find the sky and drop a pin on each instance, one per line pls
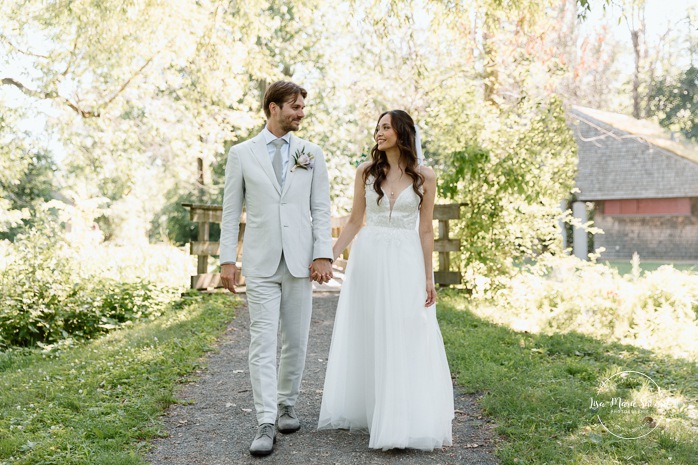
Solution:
(660, 14)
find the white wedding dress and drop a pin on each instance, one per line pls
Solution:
(387, 371)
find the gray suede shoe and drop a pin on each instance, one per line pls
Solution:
(263, 443)
(288, 420)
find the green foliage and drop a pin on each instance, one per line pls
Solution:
(29, 190)
(511, 183)
(468, 164)
(674, 101)
(172, 223)
(143, 89)
(26, 175)
(96, 403)
(48, 295)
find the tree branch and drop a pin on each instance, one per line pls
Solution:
(50, 96)
(128, 81)
(53, 95)
(7, 40)
(72, 55)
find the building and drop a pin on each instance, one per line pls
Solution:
(643, 183)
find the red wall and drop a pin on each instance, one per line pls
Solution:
(646, 207)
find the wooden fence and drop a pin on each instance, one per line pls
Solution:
(203, 247)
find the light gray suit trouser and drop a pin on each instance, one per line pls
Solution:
(284, 302)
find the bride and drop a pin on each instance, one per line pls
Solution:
(387, 372)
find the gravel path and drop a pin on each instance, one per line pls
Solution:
(215, 423)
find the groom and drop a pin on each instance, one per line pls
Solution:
(283, 182)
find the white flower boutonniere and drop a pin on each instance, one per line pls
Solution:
(301, 159)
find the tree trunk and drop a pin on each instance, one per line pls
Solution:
(490, 71)
(635, 36)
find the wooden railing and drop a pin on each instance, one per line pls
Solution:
(443, 244)
(203, 247)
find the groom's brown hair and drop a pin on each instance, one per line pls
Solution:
(282, 92)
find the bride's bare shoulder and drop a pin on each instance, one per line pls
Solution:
(428, 173)
(364, 166)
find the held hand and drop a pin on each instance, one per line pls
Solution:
(229, 276)
(321, 270)
(336, 253)
(431, 294)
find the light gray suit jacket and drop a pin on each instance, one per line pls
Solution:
(295, 220)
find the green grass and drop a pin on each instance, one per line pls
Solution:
(625, 266)
(98, 403)
(537, 388)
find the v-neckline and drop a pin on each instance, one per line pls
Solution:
(391, 205)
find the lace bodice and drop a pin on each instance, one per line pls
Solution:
(404, 213)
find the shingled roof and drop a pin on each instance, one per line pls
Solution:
(624, 158)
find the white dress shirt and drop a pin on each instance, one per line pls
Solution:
(269, 138)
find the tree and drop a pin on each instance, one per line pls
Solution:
(149, 95)
(634, 17)
(142, 90)
(673, 95)
(674, 102)
(497, 139)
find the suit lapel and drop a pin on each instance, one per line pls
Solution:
(259, 149)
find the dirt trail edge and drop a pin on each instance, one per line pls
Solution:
(215, 422)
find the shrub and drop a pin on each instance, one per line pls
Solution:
(656, 310)
(49, 295)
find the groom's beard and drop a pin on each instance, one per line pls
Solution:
(291, 125)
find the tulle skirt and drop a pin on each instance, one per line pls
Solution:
(387, 372)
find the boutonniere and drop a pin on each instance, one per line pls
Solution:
(301, 159)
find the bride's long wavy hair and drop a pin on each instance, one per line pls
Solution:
(403, 124)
